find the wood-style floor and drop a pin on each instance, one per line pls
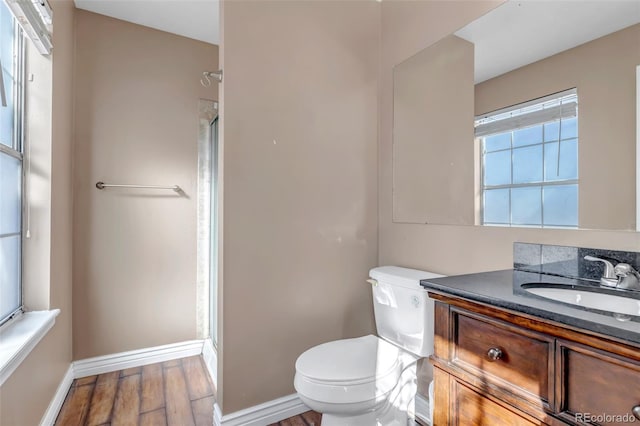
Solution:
(310, 418)
(172, 393)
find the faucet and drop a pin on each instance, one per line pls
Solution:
(628, 278)
(621, 276)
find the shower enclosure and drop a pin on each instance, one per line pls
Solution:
(213, 249)
(207, 264)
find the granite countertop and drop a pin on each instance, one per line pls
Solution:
(503, 289)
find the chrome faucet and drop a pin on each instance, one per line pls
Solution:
(621, 276)
(628, 278)
(609, 278)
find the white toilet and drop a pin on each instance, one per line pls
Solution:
(371, 381)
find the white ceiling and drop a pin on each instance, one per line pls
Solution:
(197, 19)
(520, 32)
(517, 33)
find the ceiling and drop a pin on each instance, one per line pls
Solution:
(520, 32)
(517, 33)
(197, 19)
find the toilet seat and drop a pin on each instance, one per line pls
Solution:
(349, 371)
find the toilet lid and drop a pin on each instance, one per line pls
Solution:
(349, 360)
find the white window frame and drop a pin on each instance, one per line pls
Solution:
(20, 333)
(527, 114)
(17, 150)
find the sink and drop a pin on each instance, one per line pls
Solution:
(596, 298)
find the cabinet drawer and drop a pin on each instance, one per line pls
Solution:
(504, 355)
(598, 384)
(471, 408)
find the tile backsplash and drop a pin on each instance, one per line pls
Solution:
(568, 261)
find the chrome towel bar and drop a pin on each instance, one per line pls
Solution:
(102, 185)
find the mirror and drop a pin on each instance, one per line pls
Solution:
(517, 53)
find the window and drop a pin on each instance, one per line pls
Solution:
(10, 165)
(529, 155)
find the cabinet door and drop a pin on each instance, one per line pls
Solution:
(597, 387)
(470, 408)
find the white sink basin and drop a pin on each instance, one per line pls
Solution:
(589, 299)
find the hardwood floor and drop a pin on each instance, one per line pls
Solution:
(172, 393)
(310, 418)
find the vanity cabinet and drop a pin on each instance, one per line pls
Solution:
(498, 367)
(596, 381)
(470, 407)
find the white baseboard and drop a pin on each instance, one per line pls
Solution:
(210, 356)
(55, 405)
(217, 415)
(423, 409)
(137, 358)
(262, 414)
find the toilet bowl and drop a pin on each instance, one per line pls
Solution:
(355, 381)
(371, 380)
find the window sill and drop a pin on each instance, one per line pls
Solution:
(20, 336)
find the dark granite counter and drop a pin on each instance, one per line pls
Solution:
(504, 289)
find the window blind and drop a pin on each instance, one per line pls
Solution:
(558, 106)
(35, 18)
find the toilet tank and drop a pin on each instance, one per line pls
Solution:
(403, 311)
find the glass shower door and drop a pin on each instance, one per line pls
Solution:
(213, 262)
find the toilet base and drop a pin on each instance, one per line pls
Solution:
(392, 417)
(397, 410)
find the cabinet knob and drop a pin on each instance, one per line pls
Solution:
(494, 354)
(636, 411)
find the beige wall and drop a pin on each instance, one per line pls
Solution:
(432, 127)
(408, 27)
(136, 121)
(604, 72)
(27, 393)
(299, 112)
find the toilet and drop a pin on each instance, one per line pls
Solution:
(371, 380)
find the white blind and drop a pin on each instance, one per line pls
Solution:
(34, 17)
(553, 107)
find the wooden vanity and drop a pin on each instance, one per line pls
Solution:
(494, 366)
